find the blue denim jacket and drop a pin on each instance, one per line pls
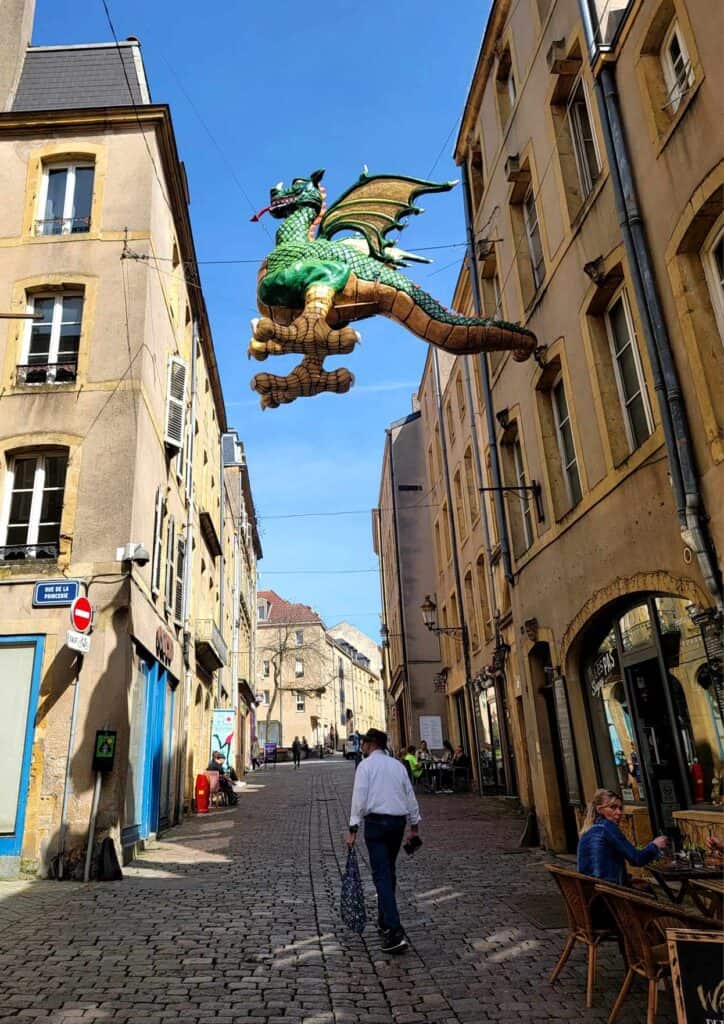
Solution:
(603, 851)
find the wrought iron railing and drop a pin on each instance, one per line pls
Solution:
(47, 373)
(29, 552)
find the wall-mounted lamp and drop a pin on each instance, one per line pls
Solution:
(503, 418)
(429, 617)
(595, 270)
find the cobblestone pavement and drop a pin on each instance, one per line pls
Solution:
(233, 919)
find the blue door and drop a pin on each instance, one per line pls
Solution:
(21, 658)
(159, 733)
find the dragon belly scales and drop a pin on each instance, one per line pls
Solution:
(311, 288)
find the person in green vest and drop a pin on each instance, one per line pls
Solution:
(413, 765)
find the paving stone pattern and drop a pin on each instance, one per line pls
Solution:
(233, 918)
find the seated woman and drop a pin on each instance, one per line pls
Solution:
(423, 754)
(603, 849)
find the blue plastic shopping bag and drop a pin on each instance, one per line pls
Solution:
(352, 904)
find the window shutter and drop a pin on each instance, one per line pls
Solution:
(157, 538)
(178, 612)
(175, 403)
(170, 562)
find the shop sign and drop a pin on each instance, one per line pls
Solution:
(164, 646)
(55, 593)
(603, 667)
(79, 642)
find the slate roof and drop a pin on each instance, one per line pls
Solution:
(78, 77)
(284, 612)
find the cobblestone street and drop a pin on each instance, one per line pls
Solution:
(233, 919)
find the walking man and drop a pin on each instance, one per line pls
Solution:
(297, 752)
(383, 798)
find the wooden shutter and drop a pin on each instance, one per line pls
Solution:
(175, 403)
(157, 540)
(178, 611)
(170, 562)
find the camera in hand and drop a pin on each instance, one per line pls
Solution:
(412, 844)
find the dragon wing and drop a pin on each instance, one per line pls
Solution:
(375, 205)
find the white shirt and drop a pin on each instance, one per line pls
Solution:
(382, 786)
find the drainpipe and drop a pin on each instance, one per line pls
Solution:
(487, 393)
(464, 635)
(222, 563)
(677, 438)
(403, 618)
(188, 566)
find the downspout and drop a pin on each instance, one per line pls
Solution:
(222, 561)
(464, 636)
(403, 618)
(188, 563)
(677, 438)
(487, 392)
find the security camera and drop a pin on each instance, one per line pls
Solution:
(132, 552)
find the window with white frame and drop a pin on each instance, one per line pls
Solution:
(170, 582)
(566, 447)
(713, 259)
(678, 72)
(298, 668)
(159, 513)
(50, 345)
(532, 231)
(524, 501)
(629, 372)
(266, 669)
(299, 637)
(301, 702)
(33, 506)
(66, 196)
(584, 139)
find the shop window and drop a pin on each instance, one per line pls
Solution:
(33, 506)
(460, 506)
(66, 195)
(629, 374)
(470, 485)
(471, 615)
(573, 124)
(507, 90)
(50, 345)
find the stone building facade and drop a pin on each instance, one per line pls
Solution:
(111, 464)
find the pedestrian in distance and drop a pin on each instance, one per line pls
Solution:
(382, 799)
(255, 754)
(297, 752)
(305, 747)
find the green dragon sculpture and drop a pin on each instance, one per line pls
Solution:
(310, 288)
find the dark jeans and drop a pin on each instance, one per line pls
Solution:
(297, 755)
(383, 836)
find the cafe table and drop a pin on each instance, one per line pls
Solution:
(668, 872)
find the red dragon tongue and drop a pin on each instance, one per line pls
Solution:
(260, 214)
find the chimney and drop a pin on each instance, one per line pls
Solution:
(16, 27)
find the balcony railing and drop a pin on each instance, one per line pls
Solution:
(29, 552)
(62, 226)
(211, 649)
(47, 373)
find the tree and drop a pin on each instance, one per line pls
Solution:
(299, 663)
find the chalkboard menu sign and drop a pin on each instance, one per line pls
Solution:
(565, 734)
(696, 973)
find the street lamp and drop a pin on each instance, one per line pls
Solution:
(429, 618)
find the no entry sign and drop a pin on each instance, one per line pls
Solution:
(81, 615)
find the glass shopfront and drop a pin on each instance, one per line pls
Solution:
(491, 749)
(655, 708)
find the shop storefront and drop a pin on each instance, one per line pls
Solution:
(654, 704)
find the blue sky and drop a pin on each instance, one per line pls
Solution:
(285, 88)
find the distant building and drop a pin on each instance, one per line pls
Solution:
(111, 426)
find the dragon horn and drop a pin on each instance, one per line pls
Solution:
(260, 214)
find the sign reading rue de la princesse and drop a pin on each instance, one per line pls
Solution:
(55, 593)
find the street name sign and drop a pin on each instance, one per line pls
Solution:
(77, 641)
(55, 593)
(81, 615)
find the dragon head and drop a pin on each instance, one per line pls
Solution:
(303, 192)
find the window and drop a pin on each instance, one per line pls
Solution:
(169, 589)
(65, 199)
(299, 637)
(532, 231)
(470, 613)
(678, 72)
(470, 485)
(301, 702)
(450, 422)
(524, 501)
(33, 506)
(438, 547)
(713, 258)
(178, 608)
(584, 140)
(506, 87)
(176, 404)
(298, 668)
(459, 506)
(158, 517)
(482, 588)
(50, 348)
(267, 696)
(476, 175)
(566, 447)
(460, 395)
(445, 524)
(517, 499)
(262, 610)
(266, 669)
(629, 374)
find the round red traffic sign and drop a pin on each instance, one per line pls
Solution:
(81, 615)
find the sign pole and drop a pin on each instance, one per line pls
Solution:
(66, 786)
(92, 826)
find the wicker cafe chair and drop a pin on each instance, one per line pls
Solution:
(579, 895)
(643, 923)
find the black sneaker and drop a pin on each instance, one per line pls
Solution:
(394, 941)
